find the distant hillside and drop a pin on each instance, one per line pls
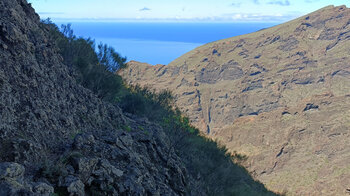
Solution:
(280, 96)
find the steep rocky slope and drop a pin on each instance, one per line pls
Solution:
(281, 96)
(57, 136)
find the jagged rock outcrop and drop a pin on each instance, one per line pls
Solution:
(281, 96)
(56, 136)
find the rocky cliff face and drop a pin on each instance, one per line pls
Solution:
(57, 136)
(281, 96)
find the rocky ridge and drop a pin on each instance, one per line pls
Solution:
(279, 95)
(57, 137)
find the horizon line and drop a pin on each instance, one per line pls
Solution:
(258, 19)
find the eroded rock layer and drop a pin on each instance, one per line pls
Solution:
(281, 96)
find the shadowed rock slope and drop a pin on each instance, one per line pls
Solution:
(56, 134)
(57, 137)
(281, 96)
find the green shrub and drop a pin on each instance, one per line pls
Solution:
(127, 128)
(95, 69)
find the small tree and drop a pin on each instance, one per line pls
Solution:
(109, 58)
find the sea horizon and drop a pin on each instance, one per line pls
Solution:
(159, 42)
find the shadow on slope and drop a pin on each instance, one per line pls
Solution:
(210, 165)
(69, 141)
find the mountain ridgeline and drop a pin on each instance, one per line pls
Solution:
(279, 96)
(69, 126)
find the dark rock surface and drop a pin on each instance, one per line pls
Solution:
(56, 136)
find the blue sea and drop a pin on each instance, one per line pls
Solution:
(158, 42)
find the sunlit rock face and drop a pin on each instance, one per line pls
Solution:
(281, 96)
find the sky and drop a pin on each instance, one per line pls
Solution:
(179, 10)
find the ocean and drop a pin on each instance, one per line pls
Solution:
(160, 43)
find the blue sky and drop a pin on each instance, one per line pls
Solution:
(179, 10)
